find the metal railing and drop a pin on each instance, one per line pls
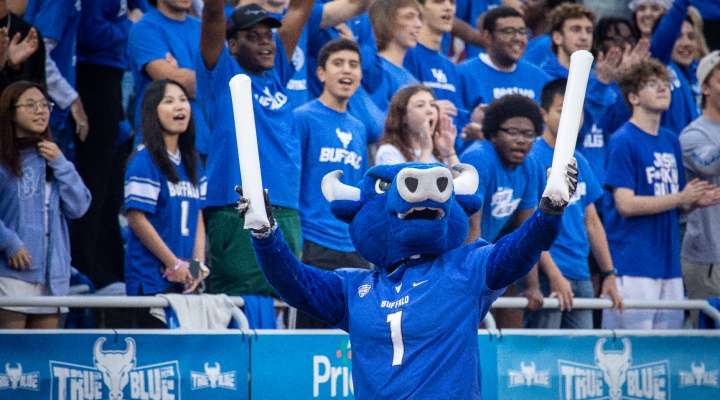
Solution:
(94, 301)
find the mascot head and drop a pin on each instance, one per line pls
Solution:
(404, 210)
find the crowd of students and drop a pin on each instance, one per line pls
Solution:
(135, 95)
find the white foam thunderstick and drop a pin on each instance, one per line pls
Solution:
(557, 188)
(247, 149)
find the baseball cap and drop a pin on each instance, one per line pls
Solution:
(706, 65)
(634, 4)
(247, 16)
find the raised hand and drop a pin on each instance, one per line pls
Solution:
(19, 51)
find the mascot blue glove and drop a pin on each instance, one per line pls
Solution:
(413, 319)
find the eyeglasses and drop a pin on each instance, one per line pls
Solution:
(656, 85)
(40, 105)
(514, 133)
(510, 32)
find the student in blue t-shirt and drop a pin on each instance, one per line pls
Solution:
(646, 178)
(252, 49)
(509, 180)
(536, 14)
(164, 187)
(165, 43)
(500, 71)
(332, 140)
(582, 232)
(57, 21)
(396, 24)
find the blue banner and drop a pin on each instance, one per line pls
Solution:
(614, 368)
(92, 366)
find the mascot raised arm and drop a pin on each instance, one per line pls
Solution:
(413, 319)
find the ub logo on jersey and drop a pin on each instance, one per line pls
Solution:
(528, 375)
(337, 374)
(698, 376)
(439, 75)
(213, 378)
(14, 378)
(115, 375)
(274, 101)
(502, 203)
(614, 376)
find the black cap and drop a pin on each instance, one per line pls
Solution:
(247, 16)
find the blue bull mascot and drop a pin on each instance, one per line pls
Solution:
(413, 319)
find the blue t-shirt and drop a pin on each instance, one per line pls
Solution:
(297, 88)
(278, 144)
(58, 20)
(648, 245)
(103, 33)
(150, 39)
(331, 140)
(435, 70)
(571, 248)
(469, 11)
(480, 83)
(502, 189)
(538, 49)
(451, 289)
(171, 208)
(385, 81)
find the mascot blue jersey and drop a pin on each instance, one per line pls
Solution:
(412, 320)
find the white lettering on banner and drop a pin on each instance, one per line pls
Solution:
(698, 376)
(396, 303)
(338, 376)
(614, 376)
(14, 378)
(330, 154)
(502, 203)
(528, 375)
(663, 174)
(274, 101)
(212, 378)
(115, 370)
(500, 92)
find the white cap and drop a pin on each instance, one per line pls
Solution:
(706, 65)
(634, 4)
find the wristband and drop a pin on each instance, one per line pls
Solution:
(605, 274)
(169, 271)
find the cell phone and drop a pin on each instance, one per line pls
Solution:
(194, 268)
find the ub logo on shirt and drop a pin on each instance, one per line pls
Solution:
(343, 156)
(14, 378)
(528, 376)
(595, 138)
(439, 75)
(503, 204)
(663, 174)
(698, 376)
(274, 101)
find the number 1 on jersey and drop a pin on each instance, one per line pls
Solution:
(395, 321)
(185, 209)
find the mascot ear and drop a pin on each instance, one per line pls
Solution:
(344, 199)
(345, 210)
(470, 203)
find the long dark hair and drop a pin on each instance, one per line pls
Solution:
(9, 151)
(396, 132)
(152, 131)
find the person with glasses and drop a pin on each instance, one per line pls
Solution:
(646, 179)
(39, 191)
(509, 181)
(500, 71)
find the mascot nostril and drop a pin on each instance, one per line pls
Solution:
(442, 184)
(411, 184)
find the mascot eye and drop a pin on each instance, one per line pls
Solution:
(382, 186)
